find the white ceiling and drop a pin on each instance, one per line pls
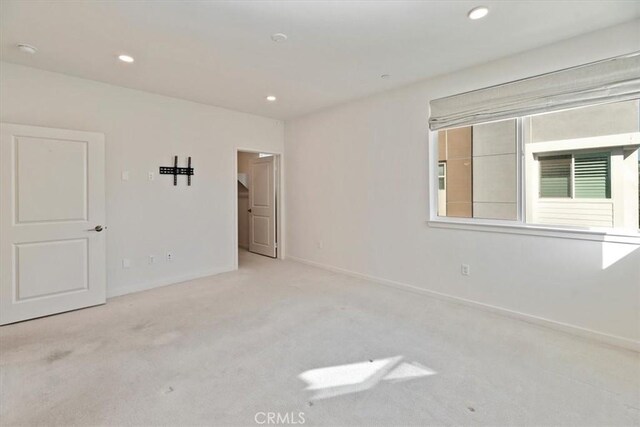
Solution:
(221, 53)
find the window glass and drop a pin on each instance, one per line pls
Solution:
(481, 168)
(592, 176)
(587, 165)
(578, 167)
(555, 176)
(441, 176)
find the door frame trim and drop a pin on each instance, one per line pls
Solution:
(280, 197)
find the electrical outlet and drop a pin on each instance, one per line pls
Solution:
(169, 256)
(152, 259)
(125, 175)
(320, 244)
(126, 263)
(465, 270)
(151, 176)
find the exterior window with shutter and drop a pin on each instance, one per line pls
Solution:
(592, 175)
(442, 168)
(555, 176)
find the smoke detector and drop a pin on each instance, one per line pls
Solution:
(279, 37)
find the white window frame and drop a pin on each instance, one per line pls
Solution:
(518, 226)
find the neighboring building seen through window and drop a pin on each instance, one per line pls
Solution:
(582, 166)
(579, 168)
(480, 161)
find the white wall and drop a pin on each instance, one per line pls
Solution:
(144, 131)
(357, 183)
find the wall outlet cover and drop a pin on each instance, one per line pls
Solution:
(465, 269)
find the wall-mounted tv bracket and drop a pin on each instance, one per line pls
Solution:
(175, 170)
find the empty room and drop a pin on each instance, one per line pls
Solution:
(327, 213)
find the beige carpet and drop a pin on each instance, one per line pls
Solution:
(281, 339)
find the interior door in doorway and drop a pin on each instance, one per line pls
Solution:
(52, 212)
(262, 206)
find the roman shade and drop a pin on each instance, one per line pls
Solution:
(615, 79)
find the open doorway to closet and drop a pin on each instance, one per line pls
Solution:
(258, 194)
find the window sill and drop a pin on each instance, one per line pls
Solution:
(537, 230)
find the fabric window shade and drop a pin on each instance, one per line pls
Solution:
(615, 79)
(592, 175)
(555, 176)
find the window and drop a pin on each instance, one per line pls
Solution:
(442, 175)
(555, 176)
(585, 175)
(481, 163)
(592, 176)
(442, 189)
(577, 168)
(558, 149)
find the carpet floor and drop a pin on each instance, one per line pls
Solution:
(282, 342)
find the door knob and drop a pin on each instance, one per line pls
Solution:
(97, 228)
(249, 211)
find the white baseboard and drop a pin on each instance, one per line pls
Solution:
(123, 290)
(559, 326)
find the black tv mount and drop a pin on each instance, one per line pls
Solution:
(175, 170)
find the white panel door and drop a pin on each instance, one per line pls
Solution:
(52, 204)
(262, 206)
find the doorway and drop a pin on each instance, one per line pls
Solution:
(259, 201)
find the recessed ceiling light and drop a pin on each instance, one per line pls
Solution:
(126, 58)
(27, 48)
(385, 76)
(279, 37)
(478, 12)
(271, 98)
